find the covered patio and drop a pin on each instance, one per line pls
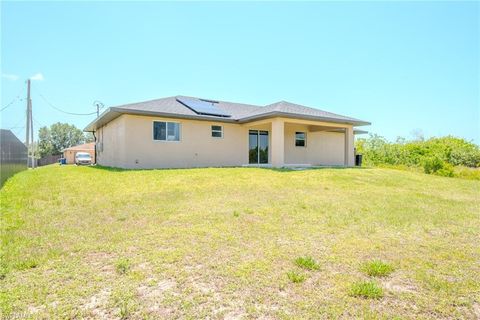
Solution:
(301, 142)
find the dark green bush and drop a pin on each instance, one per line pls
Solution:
(446, 171)
(432, 164)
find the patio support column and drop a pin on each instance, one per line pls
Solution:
(349, 146)
(278, 143)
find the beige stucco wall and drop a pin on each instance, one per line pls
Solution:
(322, 148)
(111, 143)
(196, 148)
(127, 142)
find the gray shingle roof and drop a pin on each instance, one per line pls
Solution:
(288, 108)
(170, 107)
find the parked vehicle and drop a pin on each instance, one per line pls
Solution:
(83, 158)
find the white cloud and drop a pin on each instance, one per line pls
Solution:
(37, 77)
(10, 77)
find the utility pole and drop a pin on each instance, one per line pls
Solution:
(27, 138)
(29, 129)
(99, 105)
(31, 136)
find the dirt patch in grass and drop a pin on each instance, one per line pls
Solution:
(97, 305)
(476, 310)
(400, 285)
(101, 262)
(149, 292)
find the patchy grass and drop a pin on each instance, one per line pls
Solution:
(459, 172)
(377, 268)
(366, 289)
(218, 243)
(307, 263)
(122, 266)
(467, 173)
(296, 277)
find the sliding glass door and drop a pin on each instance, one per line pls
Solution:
(257, 146)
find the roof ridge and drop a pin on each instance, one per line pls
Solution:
(317, 109)
(220, 101)
(144, 101)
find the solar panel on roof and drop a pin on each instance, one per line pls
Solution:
(208, 100)
(202, 107)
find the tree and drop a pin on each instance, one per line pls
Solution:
(45, 146)
(58, 137)
(89, 137)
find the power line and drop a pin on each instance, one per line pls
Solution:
(37, 122)
(17, 130)
(17, 97)
(16, 125)
(66, 112)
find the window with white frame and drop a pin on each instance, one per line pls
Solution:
(300, 139)
(217, 131)
(166, 131)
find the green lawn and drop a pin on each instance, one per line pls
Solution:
(239, 243)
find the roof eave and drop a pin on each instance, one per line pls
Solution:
(106, 116)
(357, 131)
(114, 112)
(354, 122)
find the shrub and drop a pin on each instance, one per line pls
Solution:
(122, 266)
(377, 150)
(307, 263)
(435, 165)
(295, 277)
(366, 289)
(377, 268)
(432, 165)
(446, 171)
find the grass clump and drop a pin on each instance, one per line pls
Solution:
(27, 264)
(125, 303)
(307, 263)
(295, 277)
(124, 310)
(236, 213)
(3, 272)
(122, 266)
(366, 289)
(377, 268)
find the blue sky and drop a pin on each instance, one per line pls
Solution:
(411, 66)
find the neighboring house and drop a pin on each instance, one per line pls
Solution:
(181, 132)
(13, 155)
(69, 153)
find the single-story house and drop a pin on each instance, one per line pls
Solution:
(69, 153)
(182, 132)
